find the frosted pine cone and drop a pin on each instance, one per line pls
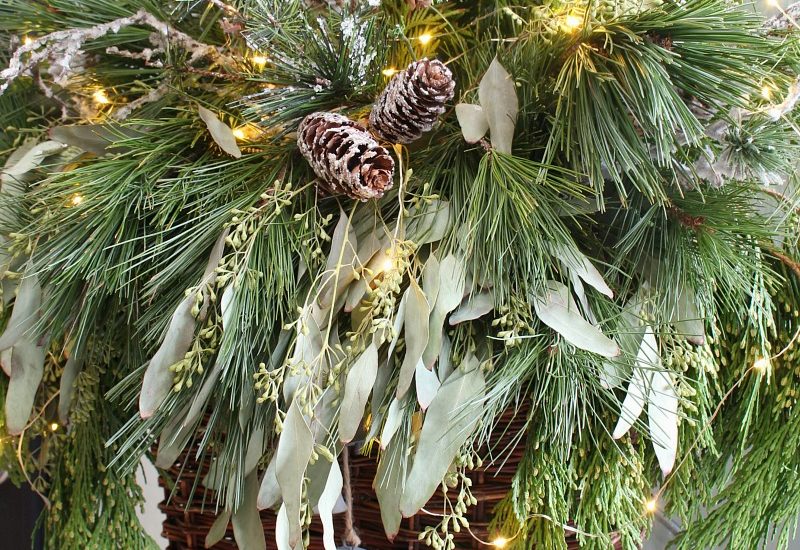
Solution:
(412, 101)
(345, 156)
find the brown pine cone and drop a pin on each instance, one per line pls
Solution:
(412, 101)
(345, 156)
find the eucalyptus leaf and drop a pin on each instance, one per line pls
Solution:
(662, 415)
(498, 97)
(295, 446)
(97, 139)
(340, 267)
(687, 319)
(452, 280)
(647, 359)
(450, 420)
(416, 333)
(247, 529)
(388, 485)
(475, 306)
(394, 417)
(583, 268)
(282, 530)
(5, 360)
(174, 437)
(31, 160)
(158, 378)
(25, 312)
(430, 223)
(218, 529)
(445, 367)
(27, 369)
(427, 384)
(327, 502)
(269, 493)
(556, 309)
(220, 132)
(66, 386)
(473, 121)
(360, 379)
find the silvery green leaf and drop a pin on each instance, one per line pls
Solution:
(27, 368)
(31, 160)
(452, 279)
(227, 306)
(445, 367)
(427, 384)
(498, 97)
(158, 379)
(5, 360)
(282, 527)
(473, 307)
(218, 529)
(97, 139)
(247, 529)
(473, 121)
(295, 445)
(307, 348)
(25, 312)
(430, 279)
(662, 415)
(173, 439)
(630, 330)
(66, 385)
(449, 421)
(327, 502)
(583, 268)
(200, 399)
(416, 333)
(556, 309)
(255, 450)
(430, 223)
(687, 319)
(339, 269)
(220, 132)
(388, 485)
(270, 492)
(646, 360)
(360, 379)
(394, 417)
(359, 287)
(397, 326)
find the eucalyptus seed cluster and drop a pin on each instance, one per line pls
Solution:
(515, 321)
(442, 535)
(314, 227)
(204, 347)
(382, 298)
(268, 382)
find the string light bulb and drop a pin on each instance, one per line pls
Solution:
(239, 133)
(651, 505)
(761, 365)
(54, 426)
(100, 97)
(391, 71)
(425, 38)
(76, 199)
(259, 61)
(572, 22)
(500, 542)
(766, 92)
(27, 40)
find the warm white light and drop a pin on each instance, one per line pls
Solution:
(76, 199)
(651, 505)
(572, 22)
(773, 3)
(27, 40)
(54, 426)
(389, 72)
(500, 542)
(425, 39)
(100, 97)
(259, 61)
(761, 365)
(766, 92)
(388, 264)
(239, 133)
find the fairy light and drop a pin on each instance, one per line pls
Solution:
(100, 97)
(425, 38)
(54, 427)
(391, 71)
(651, 506)
(766, 92)
(239, 133)
(76, 199)
(500, 542)
(387, 264)
(27, 40)
(259, 61)
(761, 365)
(572, 22)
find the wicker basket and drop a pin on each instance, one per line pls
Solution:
(188, 521)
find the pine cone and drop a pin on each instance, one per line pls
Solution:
(345, 156)
(412, 101)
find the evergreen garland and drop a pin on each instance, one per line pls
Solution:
(602, 224)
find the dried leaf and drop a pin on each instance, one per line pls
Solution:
(646, 359)
(295, 446)
(218, 529)
(498, 96)
(476, 305)
(247, 529)
(416, 333)
(220, 132)
(427, 385)
(452, 279)
(557, 310)
(27, 368)
(158, 379)
(450, 420)
(327, 502)
(357, 388)
(662, 414)
(473, 121)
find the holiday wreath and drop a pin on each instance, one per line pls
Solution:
(271, 229)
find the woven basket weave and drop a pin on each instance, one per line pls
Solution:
(188, 520)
